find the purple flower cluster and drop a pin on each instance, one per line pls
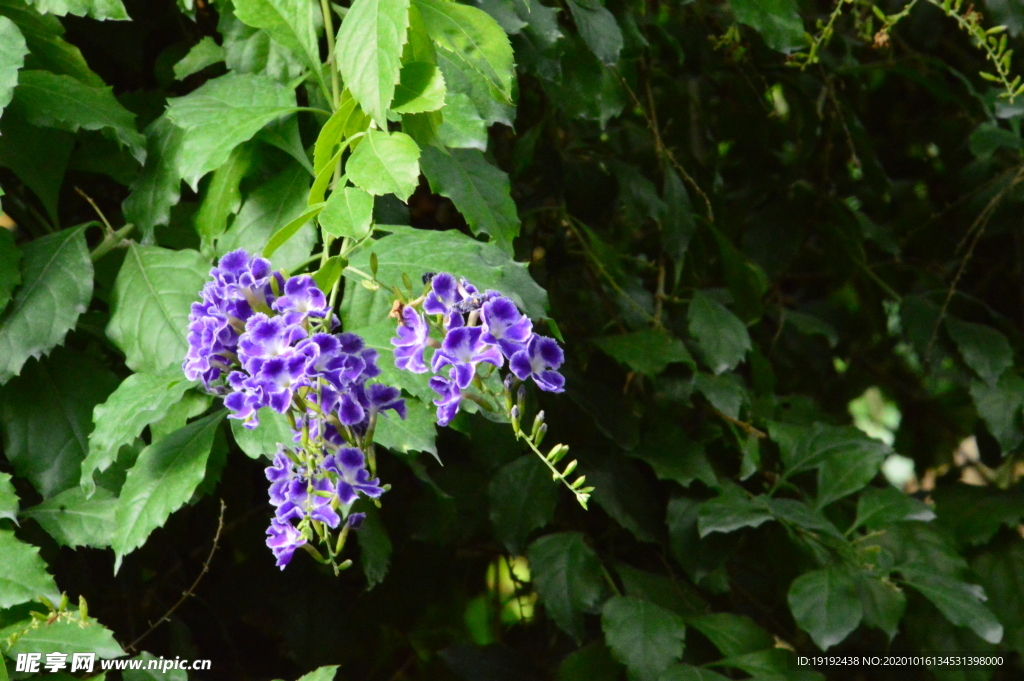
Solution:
(263, 340)
(479, 328)
(302, 492)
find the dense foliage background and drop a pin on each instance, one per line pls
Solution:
(781, 241)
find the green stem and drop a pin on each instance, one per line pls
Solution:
(110, 241)
(325, 7)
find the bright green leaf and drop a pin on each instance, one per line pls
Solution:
(97, 9)
(204, 53)
(420, 89)
(479, 190)
(43, 36)
(461, 125)
(472, 38)
(826, 605)
(348, 213)
(52, 100)
(415, 433)
(56, 275)
(220, 115)
(66, 636)
(12, 58)
(23, 573)
(385, 163)
(190, 405)
(273, 430)
(569, 578)
(370, 45)
(598, 29)
(73, 520)
(291, 23)
(523, 499)
(252, 50)
(721, 337)
(321, 674)
(152, 297)
(46, 435)
(161, 481)
(223, 196)
(140, 400)
(8, 498)
(643, 636)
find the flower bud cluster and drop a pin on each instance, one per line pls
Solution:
(478, 328)
(261, 339)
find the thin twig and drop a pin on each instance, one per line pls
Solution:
(747, 428)
(978, 228)
(103, 218)
(191, 590)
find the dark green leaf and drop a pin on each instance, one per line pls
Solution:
(38, 157)
(66, 636)
(51, 100)
(369, 51)
(880, 506)
(1000, 407)
(778, 21)
(161, 481)
(959, 601)
(598, 29)
(523, 499)
(348, 213)
(687, 672)
(731, 512)
(47, 414)
(847, 471)
(569, 578)
(800, 514)
(220, 115)
(721, 337)
(23, 573)
(732, 634)
(385, 164)
(983, 348)
(674, 456)
(159, 185)
(56, 275)
(10, 267)
(806, 447)
(140, 400)
(97, 9)
(648, 351)
(725, 393)
(152, 297)
(883, 602)
(374, 546)
(593, 662)
(73, 520)
(1001, 571)
(826, 605)
(48, 49)
(223, 196)
(643, 636)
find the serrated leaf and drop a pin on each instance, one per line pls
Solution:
(806, 447)
(140, 400)
(984, 349)
(416, 251)
(158, 186)
(800, 514)
(883, 603)
(725, 393)
(38, 157)
(52, 100)
(8, 498)
(12, 57)
(23, 573)
(204, 53)
(732, 634)
(880, 506)
(778, 21)
(385, 163)
(648, 351)
(57, 285)
(643, 636)
(598, 29)
(152, 296)
(479, 190)
(826, 605)
(568, 577)
(10, 267)
(97, 9)
(348, 213)
(523, 499)
(374, 546)
(48, 49)
(370, 45)
(291, 23)
(262, 441)
(161, 481)
(46, 436)
(66, 636)
(461, 126)
(220, 115)
(191, 404)
(74, 520)
(252, 50)
(420, 89)
(272, 204)
(321, 674)
(722, 338)
(473, 38)
(960, 602)
(417, 432)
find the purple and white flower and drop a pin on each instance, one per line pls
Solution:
(540, 360)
